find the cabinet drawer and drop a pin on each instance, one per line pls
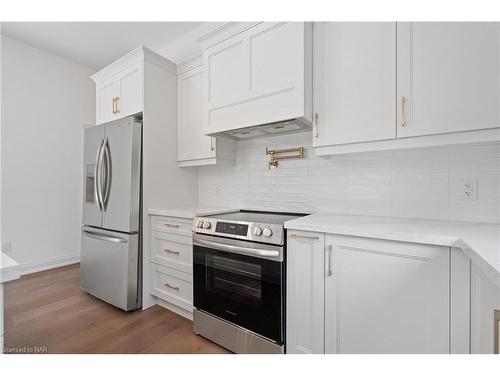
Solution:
(172, 250)
(172, 225)
(172, 286)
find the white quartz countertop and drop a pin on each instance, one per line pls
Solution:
(481, 242)
(190, 212)
(8, 268)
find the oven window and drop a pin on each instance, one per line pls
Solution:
(239, 280)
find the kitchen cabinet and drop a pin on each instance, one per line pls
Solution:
(258, 76)
(448, 77)
(171, 263)
(194, 148)
(386, 296)
(121, 95)
(354, 82)
(350, 294)
(120, 85)
(384, 86)
(485, 299)
(305, 293)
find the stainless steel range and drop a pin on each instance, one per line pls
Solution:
(239, 280)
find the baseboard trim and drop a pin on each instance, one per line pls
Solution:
(175, 309)
(47, 264)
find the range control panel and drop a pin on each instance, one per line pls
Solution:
(258, 232)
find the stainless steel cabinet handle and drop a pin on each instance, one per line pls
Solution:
(114, 102)
(211, 143)
(103, 237)
(172, 251)
(117, 108)
(171, 286)
(172, 225)
(305, 237)
(330, 248)
(403, 115)
(97, 176)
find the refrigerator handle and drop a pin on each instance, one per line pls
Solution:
(100, 174)
(107, 185)
(103, 237)
(97, 177)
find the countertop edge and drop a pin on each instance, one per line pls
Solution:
(189, 213)
(492, 271)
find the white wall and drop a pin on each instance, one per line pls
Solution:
(422, 183)
(46, 100)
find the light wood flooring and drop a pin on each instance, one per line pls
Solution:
(48, 310)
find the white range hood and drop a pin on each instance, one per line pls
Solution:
(259, 81)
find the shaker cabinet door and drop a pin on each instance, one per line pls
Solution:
(354, 82)
(304, 296)
(192, 143)
(386, 297)
(130, 94)
(448, 77)
(106, 106)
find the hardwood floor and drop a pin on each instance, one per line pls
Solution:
(48, 311)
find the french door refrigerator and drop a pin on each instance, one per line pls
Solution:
(110, 266)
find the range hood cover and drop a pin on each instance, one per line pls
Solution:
(275, 128)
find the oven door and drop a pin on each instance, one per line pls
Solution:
(240, 282)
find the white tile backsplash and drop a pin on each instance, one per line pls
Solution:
(419, 183)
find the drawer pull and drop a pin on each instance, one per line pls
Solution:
(172, 225)
(171, 286)
(172, 251)
(306, 237)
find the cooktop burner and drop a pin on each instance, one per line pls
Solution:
(258, 226)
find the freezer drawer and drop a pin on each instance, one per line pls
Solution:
(109, 267)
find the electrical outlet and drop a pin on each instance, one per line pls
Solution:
(469, 190)
(218, 191)
(6, 247)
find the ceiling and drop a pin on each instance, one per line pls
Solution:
(95, 44)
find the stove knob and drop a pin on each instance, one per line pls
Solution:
(199, 224)
(268, 232)
(207, 225)
(257, 231)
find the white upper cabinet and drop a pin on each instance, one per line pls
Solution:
(386, 296)
(129, 82)
(106, 101)
(449, 77)
(120, 95)
(120, 85)
(258, 76)
(194, 148)
(192, 144)
(354, 82)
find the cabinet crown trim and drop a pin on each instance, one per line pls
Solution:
(132, 57)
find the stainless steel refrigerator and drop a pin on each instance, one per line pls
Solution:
(110, 266)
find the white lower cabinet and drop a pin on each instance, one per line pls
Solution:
(360, 295)
(485, 299)
(171, 267)
(173, 286)
(305, 293)
(386, 296)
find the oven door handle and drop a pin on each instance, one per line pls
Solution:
(275, 254)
